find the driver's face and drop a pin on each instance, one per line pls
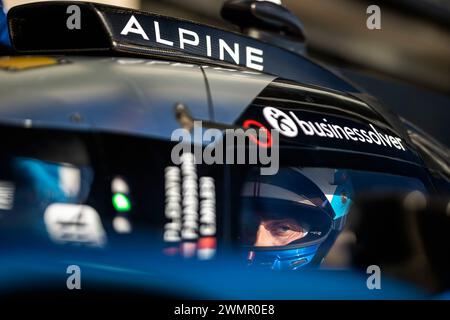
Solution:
(278, 232)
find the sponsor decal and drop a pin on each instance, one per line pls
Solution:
(190, 208)
(185, 38)
(281, 122)
(266, 142)
(291, 125)
(7, 190)
(74, 224)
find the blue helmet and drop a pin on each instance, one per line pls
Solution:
(291, 219)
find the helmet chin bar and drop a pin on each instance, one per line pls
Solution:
(283, 259)
(291, 257)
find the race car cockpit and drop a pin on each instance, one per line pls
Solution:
(143, 135)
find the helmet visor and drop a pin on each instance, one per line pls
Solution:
(273, 223)
(284, 211)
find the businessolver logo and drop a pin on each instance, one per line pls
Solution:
(290, 125)
(281, 122)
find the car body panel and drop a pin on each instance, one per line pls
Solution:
(233, 90)
(126, 95)
(121, 95)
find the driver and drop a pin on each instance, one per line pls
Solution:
(291, 219)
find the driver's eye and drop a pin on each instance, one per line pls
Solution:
(284, 228)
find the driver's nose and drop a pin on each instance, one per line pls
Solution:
(263, 237)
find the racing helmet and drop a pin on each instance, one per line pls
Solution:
(291, 219)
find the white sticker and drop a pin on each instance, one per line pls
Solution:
(280, 121)
(72, 223)
(6, 195)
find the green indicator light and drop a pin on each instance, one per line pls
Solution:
(121, 202)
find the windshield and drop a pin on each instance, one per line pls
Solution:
(99, 191)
